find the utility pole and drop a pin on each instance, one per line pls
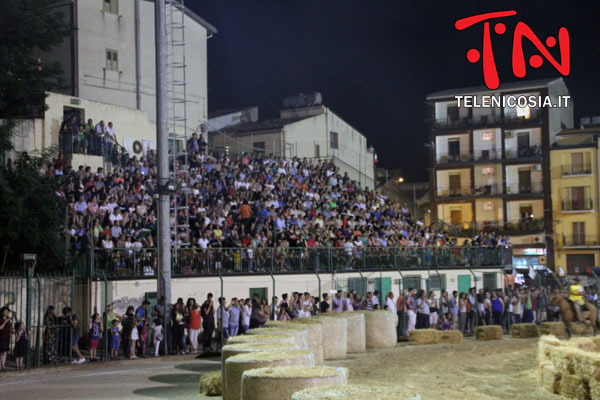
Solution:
(162, 146)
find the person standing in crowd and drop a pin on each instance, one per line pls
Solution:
(375, 300)
(516, 308)
(389, 301)
(50, 346)
(462, 312)
(115, 339)
(433, 310)
(454, 309)
(158, 335)
(337, 302)
(234, 317)
(487, 305)
(160, 311)
(423, 313)
(143, 321)
(324, 306)
(471, 310)
(411, 310)
(75, 324)
(527, 305)
(21, 344)
(246, 312)
(497, 308)
(400, 312)
(255, 315)
(347, 302)
(178, 323)
(94, 334)
(208, 322)
(195, 324)
(223, 321)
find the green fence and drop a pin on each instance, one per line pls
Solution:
(193, 262)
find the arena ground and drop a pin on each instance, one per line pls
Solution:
(470, 370)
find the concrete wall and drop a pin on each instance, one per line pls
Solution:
(444, 211)
(512, 176)
(512, 208)
(441, 144)
(443, 178)
(510, 144)
(494, 144)
(559, 117)
(483, 214)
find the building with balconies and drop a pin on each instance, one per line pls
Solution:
(490, 166)
(574, 166)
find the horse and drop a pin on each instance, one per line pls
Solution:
(567, 313)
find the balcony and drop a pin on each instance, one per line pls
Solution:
(487, 155)
(533, 188)
(581, 240)
(516, 227)
(577, 169)
(454, 191)
(572, 205)
(523, 152)
(446, 158)
(484, 121)
(488, 190)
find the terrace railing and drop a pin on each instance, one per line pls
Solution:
(124, 263)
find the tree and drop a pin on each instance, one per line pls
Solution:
(31, 212)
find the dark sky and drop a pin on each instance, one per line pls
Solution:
(374, 61)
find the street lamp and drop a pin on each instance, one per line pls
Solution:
(400, 180)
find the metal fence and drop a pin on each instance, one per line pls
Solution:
(196, 261)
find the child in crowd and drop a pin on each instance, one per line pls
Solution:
(158, 335)
(95, 330)
(21, 346)
(115, 341)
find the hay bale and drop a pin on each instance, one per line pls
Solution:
(524, 330)
(563, 358)
(282, 382)
(581, 329)
(545, 344)
(356, 336)
(574, 387)
(586, 364)
(549, 378)
(270, 338)
(314, 335)
(594, 389)
(235, 366)
(353, 392)
(299, 334)
(334, 334)
(424, 336)
(491, 332)
(380, 328)
(210, 384)
(453, 336)
(553, 328)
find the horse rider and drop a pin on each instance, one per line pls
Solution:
(576, 296)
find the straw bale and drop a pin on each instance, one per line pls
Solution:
(353, 392)
(524, 330)
(270, 338)
(235, 366)
(380, 328)
(545, 344)
(574, 387)
(356, 336)
(586, 364)
(581, 329)
(210, 383)
(550, 378)
(424, 336)
(299, 334)
(594, 389)
(275, 383)
(563, 358)
(491, 332)
(453, 336)
(553, 328)
(334, 333)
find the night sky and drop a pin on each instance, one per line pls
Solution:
(375, 61)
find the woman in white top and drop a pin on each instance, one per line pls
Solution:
(246, 311)
(433, 310)
(307, 305)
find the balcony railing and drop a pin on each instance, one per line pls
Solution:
(520, 226)
(577, 169)
(447, 158)
(454, 191)
(487, 155)
(483, 121)
(523, 152)
(487, 190)
(128, 263)
(93, 145)
(578, 205)
(522, 188)
(581, 240)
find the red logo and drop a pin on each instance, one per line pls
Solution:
(522, 30)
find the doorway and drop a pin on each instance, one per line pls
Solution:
(453, 150)
(454, 181)
(456, 217)
(524, 180)
(523, 144)
(578, 233)
(464, 283)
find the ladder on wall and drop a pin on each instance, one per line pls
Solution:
(177, 120)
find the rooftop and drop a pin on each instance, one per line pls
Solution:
(267, 125)
(522, 85)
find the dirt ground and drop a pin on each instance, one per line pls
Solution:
(473, 369)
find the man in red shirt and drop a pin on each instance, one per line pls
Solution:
(245, 213)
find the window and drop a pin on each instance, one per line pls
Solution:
(487, 135)
(263, 293)
(110, 6)
(333, 140)
(490, 280)
(487, 171)
(411, 282)
(317, 151)
(489, 205)
(524, 112)
(112, 60)
(578, 233)
(436, 282)
(259, 147)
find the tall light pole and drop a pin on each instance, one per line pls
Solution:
(162, 146)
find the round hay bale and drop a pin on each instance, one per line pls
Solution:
(299, 334)
(356, 336)
(353, 392)
(424, 336)
(267, 338)
(453, 336)
(210, 384)
(231, 350)
(334, 334)
(524, 330)
(314, 335)
(235, 366)
(491, 332)
(553, 328)
(282, 382)
(380, 328)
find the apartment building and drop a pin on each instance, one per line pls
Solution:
(490, 166)
(574, 165)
